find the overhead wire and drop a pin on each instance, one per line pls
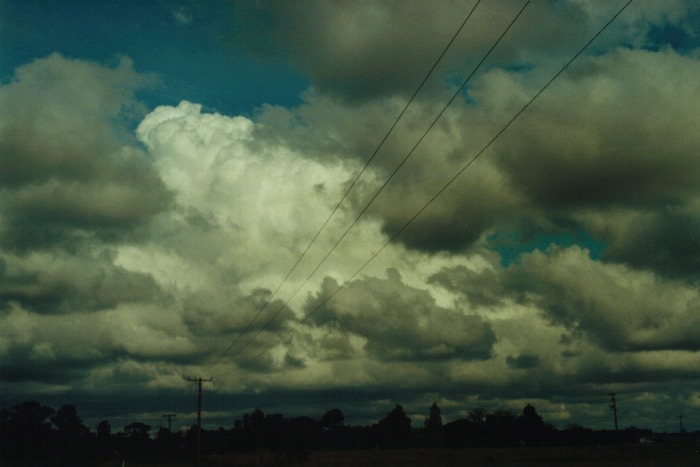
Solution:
(441, 190)
(386, 182)
(350, 187)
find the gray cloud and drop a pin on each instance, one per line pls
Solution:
(399, 322)
(523, 361)
(232, 311)
(350, 51)
(626, 137)
(20, 365)
(66, 172)
(453, 222)
(617, 159)
(609, 150)
(364, 50)
(663, 239)
(482, 288)
(614, 306)
(63, 283)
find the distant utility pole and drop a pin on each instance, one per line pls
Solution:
(613, 407)
(169, 416)
(680, 420)
(199, 413)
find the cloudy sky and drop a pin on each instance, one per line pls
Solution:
(170, 180)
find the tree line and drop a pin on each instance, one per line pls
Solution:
(31, 429)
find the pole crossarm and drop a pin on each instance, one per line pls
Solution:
(169, 416)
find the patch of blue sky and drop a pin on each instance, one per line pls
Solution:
(680, 38)
(193, 59)
(511, 245)
(229, 86)
(454, 80)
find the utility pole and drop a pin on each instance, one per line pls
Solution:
(199, 413)
(169, 416)
(613, 407)
(680, 420)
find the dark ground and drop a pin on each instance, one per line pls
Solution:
(585, 456)
(649, 456)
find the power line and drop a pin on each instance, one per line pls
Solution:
(452, 180)
(350, 187)
(386, 182)
(381, 189)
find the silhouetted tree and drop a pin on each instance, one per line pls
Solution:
(253, 425)
(137, 430)
(333, 421)
(433, 427)
(531, 419)
(302, 434)
(26, 430)
(105, 443)
(502, 428)
(72, 433)
(257, 421)
(27, 436)
(104, 429)
(167, 441)
(137, 433)
(273, 431)
(456, 434)
(534, 429)
(478, 416)
(66, 420)
(394, 430)
(483, 428)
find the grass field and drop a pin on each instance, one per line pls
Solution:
(584, 456)
(638, 455)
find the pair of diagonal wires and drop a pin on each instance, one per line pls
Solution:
(398, 167)
(445, 186)
(342, 199)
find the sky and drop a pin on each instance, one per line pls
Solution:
(171, 178)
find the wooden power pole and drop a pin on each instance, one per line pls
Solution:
(613, 407)
(199, 413)
(169, 416)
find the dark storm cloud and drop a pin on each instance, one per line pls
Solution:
(402, 323)
(54, 362)
(615, 131)
(609, 150)
(612, 149)
(364, 50)
(65, 172)
(441, 233)
(481, 288)
(617, 308)
(459, 216)
(230, 313)
(357, 53)
(665, 239)
(630, 372)
(20, 365)
(523, 361)
(64, 283)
